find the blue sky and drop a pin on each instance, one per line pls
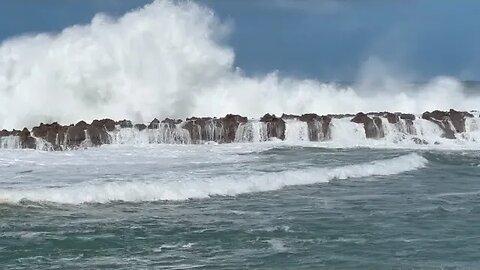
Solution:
(324, 39)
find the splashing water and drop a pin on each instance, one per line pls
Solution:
(168, 59)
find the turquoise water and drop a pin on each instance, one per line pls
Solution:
(60, 210)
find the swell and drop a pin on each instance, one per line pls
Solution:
(230, 185)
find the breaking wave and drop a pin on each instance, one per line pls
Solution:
(203, 188)
(169, 59)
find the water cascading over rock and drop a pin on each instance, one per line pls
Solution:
(429, 128)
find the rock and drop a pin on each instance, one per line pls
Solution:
(318, 126)
(392, 118)
(125, 123)
(458, 119)
(442, 119)
(4, 133)
(140, 127)
(407, 116)
(82, 124)
(76, 135)
(275, 126)
(419, 141)
(98, 135)
(109, 124)
(52, 133)
(290, 116)
(204, 129)
(373, 127)
(26, 140)
(172, 123)
(155, 124)
(230, 126)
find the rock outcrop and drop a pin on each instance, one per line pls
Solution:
(197, 130)
(275, 126)
(450, 122)
(373, 126)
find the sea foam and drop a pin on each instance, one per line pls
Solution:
(229, 185)
(170, 59)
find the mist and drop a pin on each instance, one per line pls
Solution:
(171, 59)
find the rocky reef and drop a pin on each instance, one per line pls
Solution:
(228, 129)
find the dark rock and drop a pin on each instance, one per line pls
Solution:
(76, 135)
(140, 126)
(275, 126)
(98, 135)
(52, 133)
(442, 119)
(230, 126)
(458, 119)
(82, 124)
(419, 141)
(392, 118)
(155, 124)
(172, 123)
(407, 116)
(290, 116)
(109, 124)
(204, 129)
(26, 140)
(125, 123)
(373, 127)
(318, 126)
(4, 133)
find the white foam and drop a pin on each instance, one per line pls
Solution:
(191, 188)
(169, 59)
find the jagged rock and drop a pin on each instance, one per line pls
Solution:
(289, 116)
(4, 133)
(81, 124)
(373, 127)
(125, 123)
(140, 127)
(155, 124)
(407, 116)
(458, 119)
(442, 119)
(52, 133)
(318, 126)
(26, 140)
(172, 123)
(275, 126)
(419, 141)
(204, 129)
(98, 135)
(76, 135)
(230, 126)
(392, 117)
(108, 124)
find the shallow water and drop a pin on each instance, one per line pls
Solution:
(262, 206)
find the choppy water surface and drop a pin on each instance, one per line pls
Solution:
(262, 206)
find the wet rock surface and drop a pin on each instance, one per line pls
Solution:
(373, 126)
(224, 129)
(275, 126)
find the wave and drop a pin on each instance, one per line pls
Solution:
(169, 59)
(136, 191)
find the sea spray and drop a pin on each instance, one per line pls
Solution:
(169, 59)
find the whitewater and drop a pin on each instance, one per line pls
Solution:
(171, 59)
(361, 191)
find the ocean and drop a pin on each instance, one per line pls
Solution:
(270, 205)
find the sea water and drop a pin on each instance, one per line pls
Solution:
(271, 205)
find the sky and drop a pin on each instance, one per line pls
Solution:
(329, 40)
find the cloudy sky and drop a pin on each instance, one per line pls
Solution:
(323, 39)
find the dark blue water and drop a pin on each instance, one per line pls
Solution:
(425, 218)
